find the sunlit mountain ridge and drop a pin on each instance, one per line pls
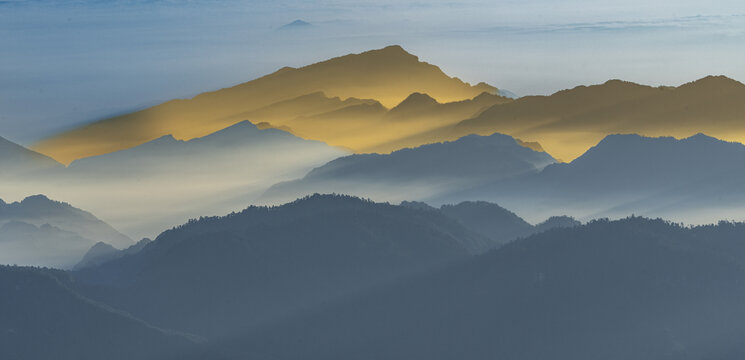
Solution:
(387, 75)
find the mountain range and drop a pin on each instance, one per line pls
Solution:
(166, 181)
(378, 208)
(695, 180)
(17, 161)
(386, 100)
(327, 276)
(419, 173)
(42, 232)
(569, 122)
(493, 221)
(42, 318)
(628, 289)
(265, 263)
(102, 252)
(376, 74)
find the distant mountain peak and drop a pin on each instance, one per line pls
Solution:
(387, 75)
(15, 157)
(394, 49)
(714, 83)
(38, 197)
(703, 137)
(484, 87)
(164, 139)
(415, 101)
(629, 139)
(242, 125)
(41, 200)
(508, 94)
(390, 52)
(297, 24)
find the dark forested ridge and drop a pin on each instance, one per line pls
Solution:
(214, 275)
(627, 289)
(101, 252)
(489, 219)
(493, 221)
(40, 318)
(337, 277)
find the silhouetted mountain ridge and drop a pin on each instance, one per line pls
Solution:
(627, 289)
(43, 319)
(389, 75)
(429, 169)
(710, 105)
(39, 210)
(264, 263)
(16, 160)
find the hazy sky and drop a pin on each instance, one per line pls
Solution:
(67, 62)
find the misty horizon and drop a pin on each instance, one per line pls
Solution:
(368, 180)
(79, 77)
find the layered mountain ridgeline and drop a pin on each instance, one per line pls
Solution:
(218, 153)
(40, 210)
(42, 232)
(387, 75)
(345, 102)
(569, 122)
(695, 180)
(102, 252)
(419, 173)
(560, 221)
(166, 181)
(628, 289)
(370, 127)
(25, 244)
(490, 219)
(41, 318)
(17, 161)
(215, 276)
(493, 221)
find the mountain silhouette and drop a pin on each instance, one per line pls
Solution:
(628, 289)
(42, 232)
(41, 318)
(265, 263)
(389, 75)
(622, 162)
(168, 153)
(17, 161)
(569, 122)
(102, 252)
(287, 112)
(493, 221)
(45, 245)
(177, 180)
(695, 180)
(561, 221)
(419, 173)
(297, 24)
(489, 219)
(368, 126)
(99, 253)
(414, 103)
(40, 210)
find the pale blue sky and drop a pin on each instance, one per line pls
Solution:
(68, 62)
